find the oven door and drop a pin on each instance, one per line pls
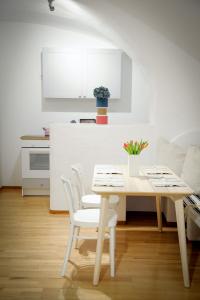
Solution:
(35, 162)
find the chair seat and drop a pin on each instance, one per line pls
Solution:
(93, 200)
(90, 218)
(194, 212)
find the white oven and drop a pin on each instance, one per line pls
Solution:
(35, 166)
(35, 159)
(35, 162)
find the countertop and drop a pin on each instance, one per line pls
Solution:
(34, 137)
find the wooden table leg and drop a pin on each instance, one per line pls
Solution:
(159, 212)
(100, 239)
(182, 240)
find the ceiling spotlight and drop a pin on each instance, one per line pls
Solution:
(51, 7)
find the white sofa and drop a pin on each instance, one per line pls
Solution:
(192, 209)
(182, 155)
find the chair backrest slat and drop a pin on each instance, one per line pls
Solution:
(69, 195)
(78, 176)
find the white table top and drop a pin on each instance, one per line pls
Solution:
(145, 185)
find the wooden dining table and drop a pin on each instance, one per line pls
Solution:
(114, 180)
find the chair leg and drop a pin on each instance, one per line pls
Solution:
(112, 251)
(77, 231)
(68, 249)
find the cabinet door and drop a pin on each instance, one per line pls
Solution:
(62, 74)
(103, 68)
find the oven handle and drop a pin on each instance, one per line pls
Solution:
(36, 150)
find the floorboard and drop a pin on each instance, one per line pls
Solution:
(32, 245)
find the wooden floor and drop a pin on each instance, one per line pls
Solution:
(32, 244)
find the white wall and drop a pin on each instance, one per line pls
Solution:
(0, 151)
(22, 109)
(170, 74)
(1, 132)
(20, 92)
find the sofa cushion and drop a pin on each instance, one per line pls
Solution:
(191, 168)
(170, 155)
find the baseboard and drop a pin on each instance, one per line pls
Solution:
(58, 212)
(11, 187)
(121, 222)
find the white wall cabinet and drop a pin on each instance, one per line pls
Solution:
(75, 73)
(103, 67)
(62, 74)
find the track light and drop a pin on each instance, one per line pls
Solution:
(51, 7)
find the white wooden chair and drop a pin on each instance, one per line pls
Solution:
(89, 200)
(86, 218)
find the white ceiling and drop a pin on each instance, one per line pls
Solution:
(177, 20)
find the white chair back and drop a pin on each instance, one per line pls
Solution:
(78, 178)
(69, 194)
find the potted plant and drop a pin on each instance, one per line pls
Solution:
(101, 94)
(134, 149)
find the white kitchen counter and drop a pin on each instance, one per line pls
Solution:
(90, 144)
